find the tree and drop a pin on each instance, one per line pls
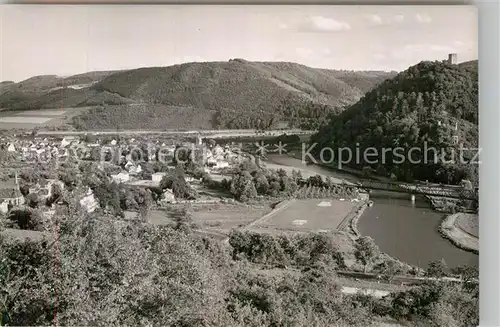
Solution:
(470, 277)
(261, 183)
(28, 219)
(32, 200)
(365, 251)
(56, 194)
(69, 176)
(389, 269)
(30, 175)
(437, 269)
(243, 187)
(166, 182)
(367, 171)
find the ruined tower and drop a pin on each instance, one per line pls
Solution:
(452, 58)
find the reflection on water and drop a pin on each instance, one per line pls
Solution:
(402, 229)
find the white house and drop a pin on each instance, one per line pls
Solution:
(113, 142)
(89, 202)
(129, 164)
(168, 197)
(66, 141)
(157, 177)
(11, 147)
(121, 177)
(134, 170)
(222, 164)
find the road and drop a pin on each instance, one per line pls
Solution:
(365, 291)
(397, 279)
(216, 133)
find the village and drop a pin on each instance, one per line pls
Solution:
(131, 162)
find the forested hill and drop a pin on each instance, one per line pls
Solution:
(233, 94)
(432, 104)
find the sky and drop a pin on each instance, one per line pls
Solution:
(69, 39)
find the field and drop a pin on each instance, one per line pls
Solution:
(43, 118)
(225, 217)
(214, 217)
(159, 217)
(308, 216)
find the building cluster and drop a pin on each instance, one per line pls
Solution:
(125, 166)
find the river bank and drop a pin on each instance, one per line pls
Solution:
(350, 227)
(450, 230)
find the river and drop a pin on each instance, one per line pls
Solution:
(401, 229)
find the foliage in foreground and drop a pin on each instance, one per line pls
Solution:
(102, 271)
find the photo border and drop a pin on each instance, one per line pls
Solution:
(489, 177)
(489, 121)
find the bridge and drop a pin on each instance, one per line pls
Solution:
(423, 189)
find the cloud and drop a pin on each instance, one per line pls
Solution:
(398, 18)
(324, 24)
(422, 18)
(377, 20)
(283, 26)
(458, 43)
(374, 19)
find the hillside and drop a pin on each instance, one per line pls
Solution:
(431, 104)
(49, 91)
(235, 94)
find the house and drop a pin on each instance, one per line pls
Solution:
(122, 177)
(135, 170)
(157, 177)
(128, 165)
(113, 142)
(168, 197)
(44, 188)
(66, 141)
(11, 148)
(221, 164)
(89, 202)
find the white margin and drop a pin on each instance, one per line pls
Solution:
(489, 176)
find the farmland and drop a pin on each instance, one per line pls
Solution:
(43, 118)
(225, 217)
(216, 217)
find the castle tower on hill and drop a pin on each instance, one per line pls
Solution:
(452, 58)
